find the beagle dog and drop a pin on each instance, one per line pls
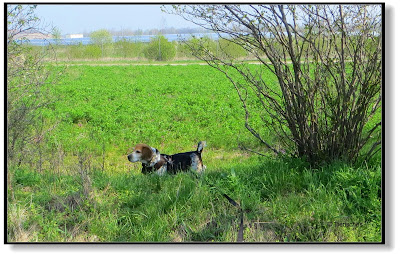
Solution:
(153, 161)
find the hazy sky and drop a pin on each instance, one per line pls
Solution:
(79, 18)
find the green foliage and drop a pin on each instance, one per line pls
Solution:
(160, 49)
(230, 50)
(128, 49)
(181, 107)
(195, 44)
(101, 37)
(75, 51)
(26, 177)
(92, 52)
(56, 33)
(223, 48)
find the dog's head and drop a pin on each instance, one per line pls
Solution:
(143, 153)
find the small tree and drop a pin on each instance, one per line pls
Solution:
(327, 60)
(160, 49)
(56, 34)
(101, 38)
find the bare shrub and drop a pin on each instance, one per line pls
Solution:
(327, 60)
(84, 167)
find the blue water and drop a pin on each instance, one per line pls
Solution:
(136, 38)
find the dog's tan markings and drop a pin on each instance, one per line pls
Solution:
(147, 153)
(145, 150)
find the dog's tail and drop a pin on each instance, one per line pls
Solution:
(200, 146)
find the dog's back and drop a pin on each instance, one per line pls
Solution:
(188, 160)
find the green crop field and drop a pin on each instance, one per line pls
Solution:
(80, 187)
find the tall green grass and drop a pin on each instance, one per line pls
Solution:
(283, 202)
(158, 105)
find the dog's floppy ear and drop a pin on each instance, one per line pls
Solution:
(147, 153)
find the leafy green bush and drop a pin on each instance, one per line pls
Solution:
(192, 46)
(75, 51)
(101, 37)
(92, 52)
(128, 49)
(160, 49)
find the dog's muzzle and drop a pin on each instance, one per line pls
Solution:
(130, 157)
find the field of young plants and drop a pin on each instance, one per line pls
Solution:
(80, 187)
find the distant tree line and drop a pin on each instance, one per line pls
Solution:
(153, 31)
(158, 49)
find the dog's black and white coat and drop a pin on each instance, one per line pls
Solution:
(153, 161)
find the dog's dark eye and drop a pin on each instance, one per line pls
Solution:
(137, 151)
